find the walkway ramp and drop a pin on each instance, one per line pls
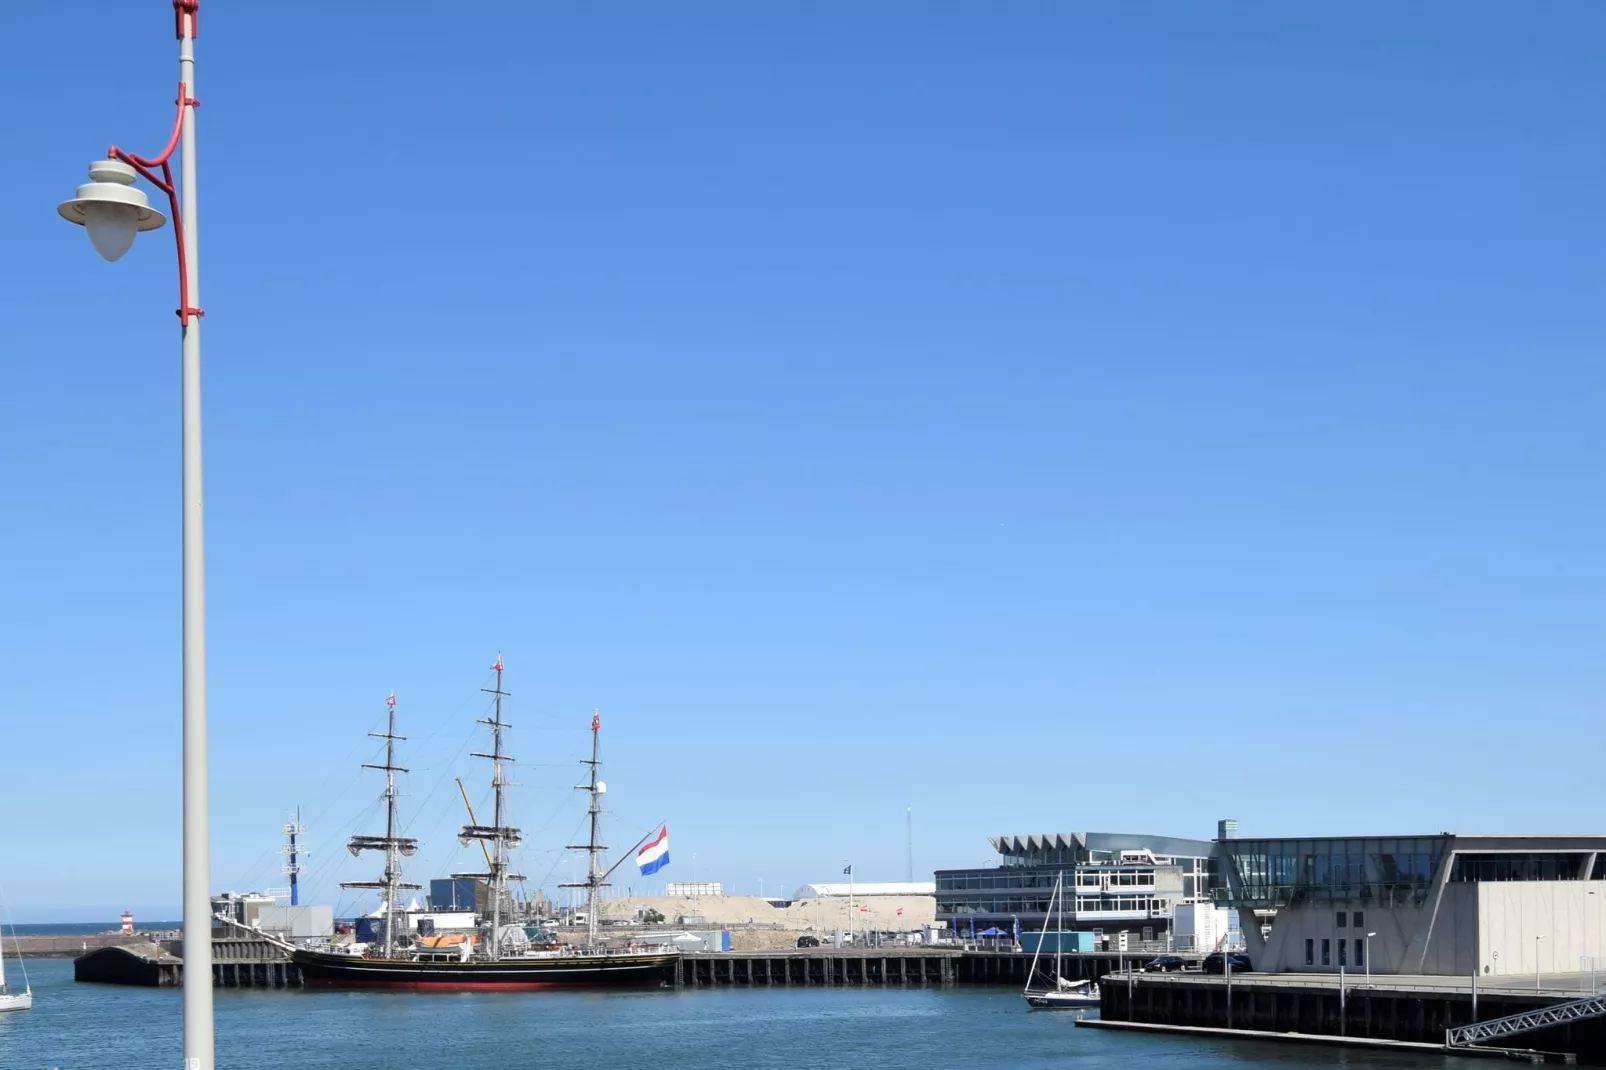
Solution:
(1526, 1022)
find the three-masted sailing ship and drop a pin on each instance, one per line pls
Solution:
(502, 957)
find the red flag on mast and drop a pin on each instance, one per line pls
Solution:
(498, 665)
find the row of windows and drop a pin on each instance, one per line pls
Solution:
(1121, 878)
(1276, 872)
(1359, 922)
(1343, 957)
(992, 879)
(1514, 867)
(1108, 904)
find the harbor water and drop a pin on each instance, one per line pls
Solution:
(98, 1027)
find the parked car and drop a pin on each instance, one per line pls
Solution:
(808, 941)
(1216, 962)
(1165, 964)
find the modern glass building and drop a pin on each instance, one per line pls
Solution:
(1443, 904)
(1113, 882)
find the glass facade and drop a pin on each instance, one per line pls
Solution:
(1556, 866)
(1130, 881)
(1278, 873)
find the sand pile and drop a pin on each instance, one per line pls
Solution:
(885, 913)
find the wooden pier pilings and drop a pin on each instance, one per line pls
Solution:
(817, 968)
(875, 967)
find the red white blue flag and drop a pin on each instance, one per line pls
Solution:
(654, 854)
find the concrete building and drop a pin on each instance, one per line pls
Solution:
(1439, 904)
(1114, 882)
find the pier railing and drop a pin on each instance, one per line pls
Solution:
(1526, 1022)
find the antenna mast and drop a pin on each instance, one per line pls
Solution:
(596, 879)
(501, 836)
(393, 845)
(292, 867)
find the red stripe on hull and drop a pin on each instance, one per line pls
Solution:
(465, 986)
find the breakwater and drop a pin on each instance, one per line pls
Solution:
(68, 945)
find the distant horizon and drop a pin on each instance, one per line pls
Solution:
(87, 916)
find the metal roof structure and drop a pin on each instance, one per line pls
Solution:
(1111, 842)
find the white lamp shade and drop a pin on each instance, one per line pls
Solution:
(111, 208)
(111, 227)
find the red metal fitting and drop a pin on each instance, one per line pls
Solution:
(184, 314)
(182, 8)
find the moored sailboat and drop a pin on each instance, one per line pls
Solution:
(503, 957)
(9, 1000)
(1057, 993)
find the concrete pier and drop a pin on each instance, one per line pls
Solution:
(815, 967)
(891, 966)
(1395, 1008)
(237, 962)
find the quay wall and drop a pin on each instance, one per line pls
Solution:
(237, 962)
(872, 966)
(1287, 1003)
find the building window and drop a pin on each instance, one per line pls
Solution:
(1360, 920)
(1310, 952)
(1360, 952)
(1341, 916)
(1327, 952)
(1343, 946)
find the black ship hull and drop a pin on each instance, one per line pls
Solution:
(515, 974)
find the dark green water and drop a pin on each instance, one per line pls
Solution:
(79, 1027)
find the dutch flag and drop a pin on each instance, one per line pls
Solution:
(654, 854)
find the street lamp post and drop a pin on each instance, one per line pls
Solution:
(113, 211)
(1368, 947)
(1536, 962)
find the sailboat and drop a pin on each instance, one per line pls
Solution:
(503, 957)
(9, 1000)
(1059, 994)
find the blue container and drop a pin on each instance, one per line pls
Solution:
(1052, 942)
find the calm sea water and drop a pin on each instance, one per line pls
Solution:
(89, 1027)
(89, 928)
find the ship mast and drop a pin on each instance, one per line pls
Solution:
(596, 879)
(393, 845)
(501, 836)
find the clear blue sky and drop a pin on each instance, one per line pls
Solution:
(1053, 416)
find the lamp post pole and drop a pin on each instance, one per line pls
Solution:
(198, 1040)
(1368, 946)
(1536, 961)
(113, 211)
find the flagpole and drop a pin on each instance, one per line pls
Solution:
(850, 902)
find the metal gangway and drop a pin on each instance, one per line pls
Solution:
(1526, 1022)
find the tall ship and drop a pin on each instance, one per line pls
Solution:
(502, 955)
